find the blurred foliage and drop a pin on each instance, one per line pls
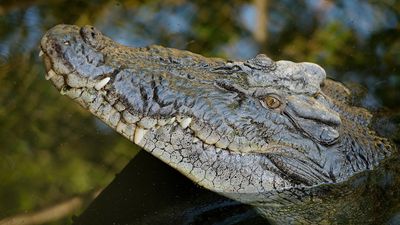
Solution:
(51, 149)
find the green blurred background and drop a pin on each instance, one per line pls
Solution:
(51, 150)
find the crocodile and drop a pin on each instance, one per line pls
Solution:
(277, 135)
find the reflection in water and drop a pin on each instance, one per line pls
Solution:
(50, 149)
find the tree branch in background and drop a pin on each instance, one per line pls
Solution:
(52, 213)
(260, 33)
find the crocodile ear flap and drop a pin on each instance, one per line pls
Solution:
(91, 36)
(314, 118)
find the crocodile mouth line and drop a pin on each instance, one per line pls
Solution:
(100, 98)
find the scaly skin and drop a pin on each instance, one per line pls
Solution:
(276, 135)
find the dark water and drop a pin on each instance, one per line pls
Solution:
(52, 150)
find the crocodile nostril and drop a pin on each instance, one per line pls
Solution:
(55, 49)
(91, 36)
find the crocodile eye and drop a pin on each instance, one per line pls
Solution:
(272, 102)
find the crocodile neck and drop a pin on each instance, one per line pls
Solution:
(257, 130)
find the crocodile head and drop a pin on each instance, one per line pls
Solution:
(234, 127)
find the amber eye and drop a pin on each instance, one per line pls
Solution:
(272, 102)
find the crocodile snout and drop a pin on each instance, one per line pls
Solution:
(54, 45)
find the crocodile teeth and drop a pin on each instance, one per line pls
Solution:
(172, 120)
(139, 134)
(50, 74)
(63, 90)
(99, 85)
(185, 122)
(41, 53)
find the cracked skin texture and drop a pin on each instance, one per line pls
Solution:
(277, 135)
